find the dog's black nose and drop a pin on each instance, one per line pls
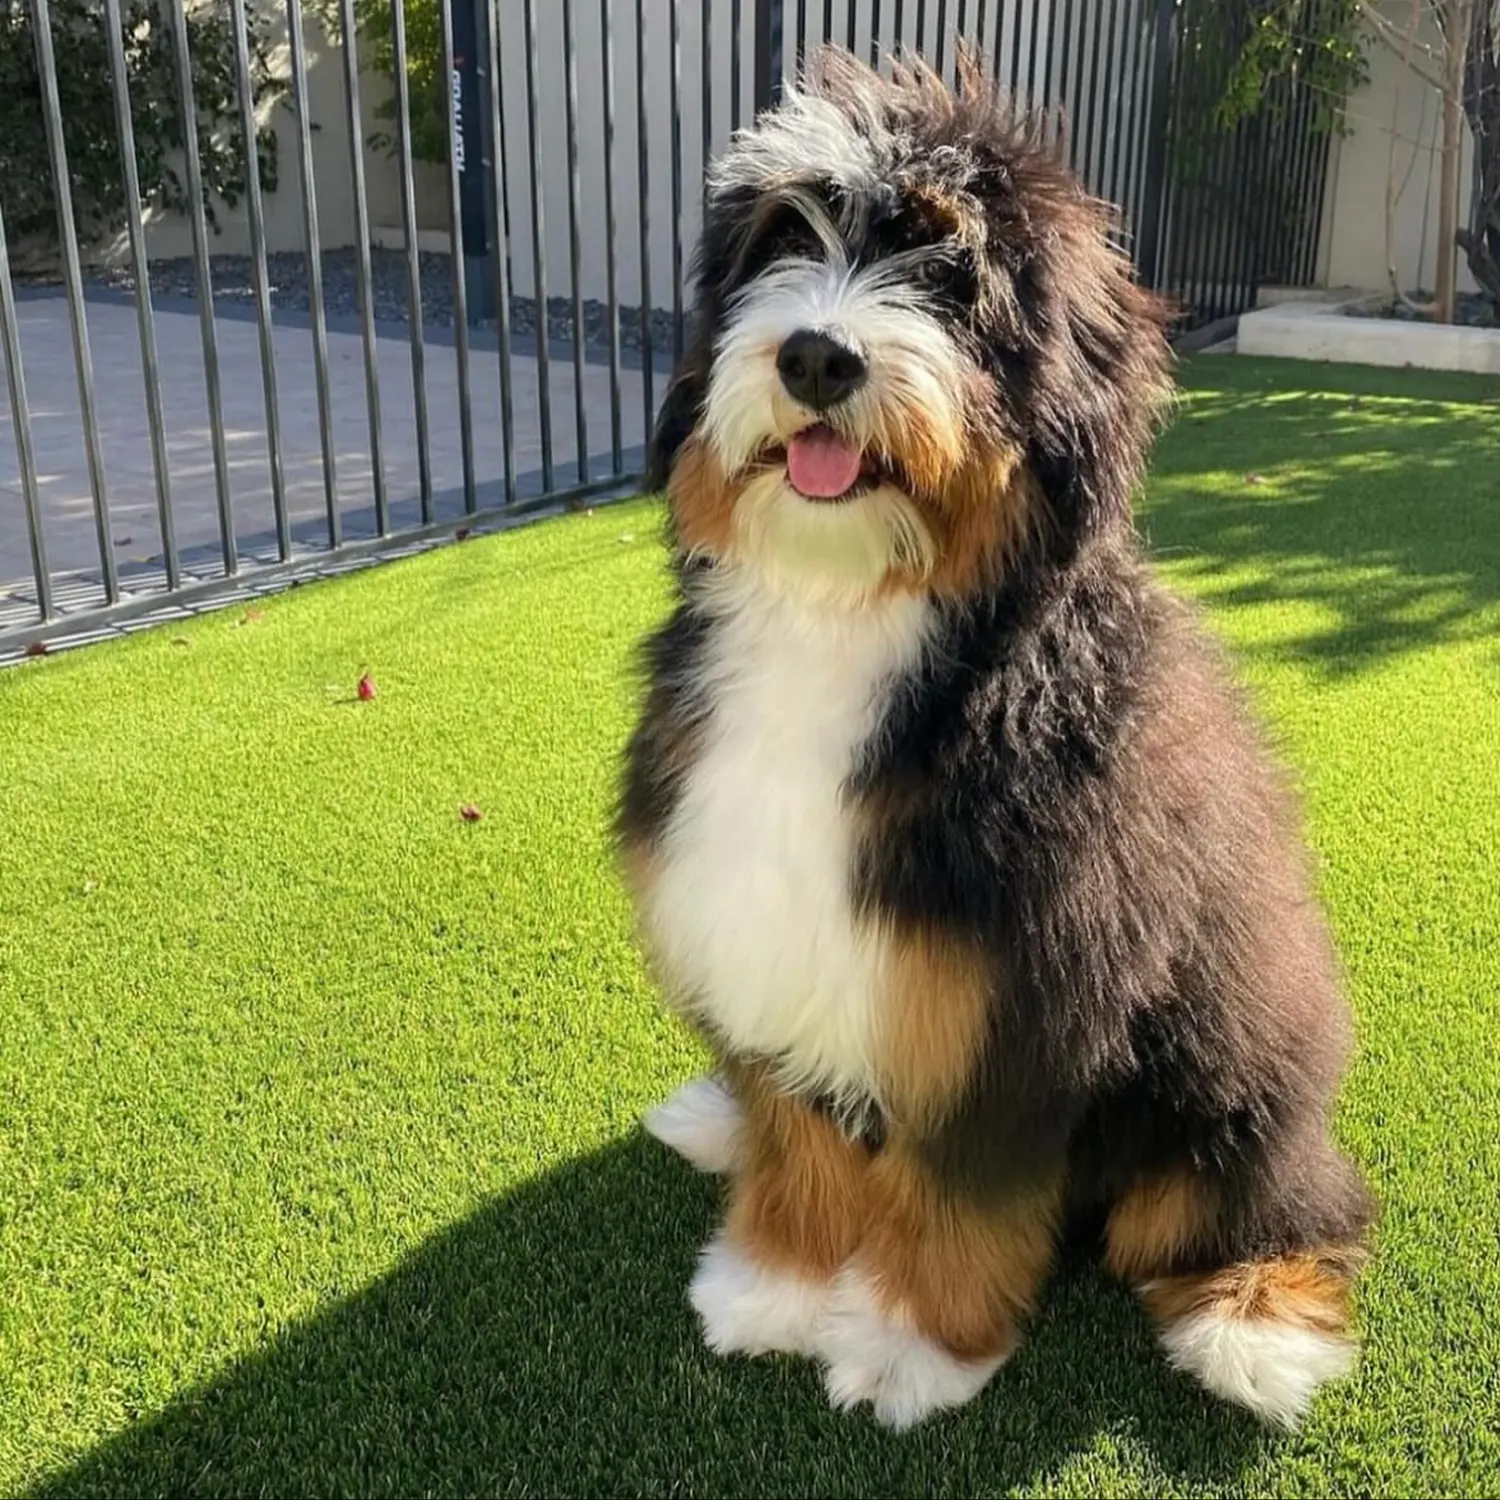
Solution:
(819, 371)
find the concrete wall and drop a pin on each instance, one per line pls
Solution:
(1396, 105)
(168, 234)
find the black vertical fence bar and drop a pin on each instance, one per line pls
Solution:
(73, 277)
(1304, 234)
(203, 277)
(940, 46)
(1271, 236)
(1315, 222)
(898, 27)
(1031, 50)
(456, 259)
(1092, 148)
(674, 105)
(875, 37)
(643, 184)
(500, 263)
(736, 59)
(1014, 78)
(413, 258)
(827, 28)
(981, 30)
(851, 19)
(1230, 272)
(612, 290)
(921, 46)
(706, 80)
(538, 246)
(363, 277)
(1049, 62)
(1192, 157)
(767, 59)
(1149, 238)
(1139, 119)
(20, 421)
(144, 317)
(799, 35)
(297, 56)
(575, 246)
(1065, 93)
(1235, 273)
(1119, 55)
(1282, 227)
(1296, 232)
(260, 278)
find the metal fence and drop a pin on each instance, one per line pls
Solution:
(173, 447)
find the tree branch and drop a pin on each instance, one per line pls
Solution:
(1403, 44)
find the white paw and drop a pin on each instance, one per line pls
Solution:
(703, 1122)
(750, 1309)
(873, 1356)
(1271, 1368)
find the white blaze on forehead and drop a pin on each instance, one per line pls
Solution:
(805, 137)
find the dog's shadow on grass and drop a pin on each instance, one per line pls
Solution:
(545, 1347)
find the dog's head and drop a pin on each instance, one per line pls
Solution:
(916, 351)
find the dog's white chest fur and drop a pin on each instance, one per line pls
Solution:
(751, 913)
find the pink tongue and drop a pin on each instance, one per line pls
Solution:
(821, 464)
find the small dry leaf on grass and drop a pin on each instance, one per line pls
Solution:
(36, 648)
(1255, 478)
(251, 615)
(181, 640)
(367, 688)
(469, 813)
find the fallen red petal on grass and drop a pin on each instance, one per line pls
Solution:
(36, 648)
(367, 688)
(462, 534)
(469, 813)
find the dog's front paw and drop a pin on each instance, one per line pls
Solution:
(746, 1308)
(875, 1356)
(703, 1123)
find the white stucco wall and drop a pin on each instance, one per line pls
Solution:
(1397, 106)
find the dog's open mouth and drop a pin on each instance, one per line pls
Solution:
(822, 465)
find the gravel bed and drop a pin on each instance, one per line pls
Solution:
(290, 290)
(1472, 310)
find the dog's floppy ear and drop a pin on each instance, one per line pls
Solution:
(680, 410)
(1100, 380)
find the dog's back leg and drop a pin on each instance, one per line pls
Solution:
(1263, 1328)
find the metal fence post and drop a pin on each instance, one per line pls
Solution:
(470, 88)
(1149, 238)
(769, 22)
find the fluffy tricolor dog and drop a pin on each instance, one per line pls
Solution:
(943, 826)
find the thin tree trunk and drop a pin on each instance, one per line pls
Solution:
(1457, 33)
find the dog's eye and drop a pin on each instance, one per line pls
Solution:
(932, 271)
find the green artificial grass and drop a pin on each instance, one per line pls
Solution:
(319, 1161)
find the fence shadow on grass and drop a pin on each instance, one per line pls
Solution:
(1369, 496)
(544, 1347)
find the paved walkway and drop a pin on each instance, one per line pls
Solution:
(57, 436)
